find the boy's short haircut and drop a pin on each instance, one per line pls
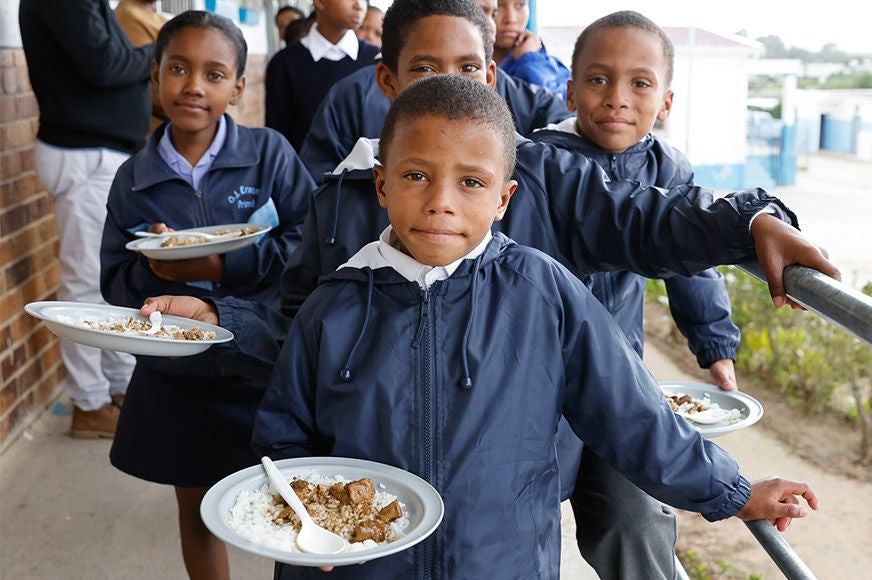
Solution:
(403, 15)
(628, 19)
(453, 97)
(204, 20)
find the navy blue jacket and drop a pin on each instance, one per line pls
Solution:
(536, 345)
(355, 107)
(699, 304)
(256, 178)
(295, 85)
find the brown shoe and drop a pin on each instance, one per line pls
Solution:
(95, 424)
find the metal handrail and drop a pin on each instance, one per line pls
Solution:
(846, 308)
(780, 551)
(849, 309)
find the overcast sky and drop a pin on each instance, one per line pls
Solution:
(841, 22)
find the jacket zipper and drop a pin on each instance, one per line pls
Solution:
(428, 421)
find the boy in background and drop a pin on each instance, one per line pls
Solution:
(370, 29)
(620, 87)
(285, 15)
(298, 76)
(452, 353)
(355, 107)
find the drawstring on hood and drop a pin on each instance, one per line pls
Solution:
(331, 240)
(466, 382)
(345, 373)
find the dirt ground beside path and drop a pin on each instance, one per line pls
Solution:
(835, 541)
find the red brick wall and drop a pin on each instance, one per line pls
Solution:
(31, 371)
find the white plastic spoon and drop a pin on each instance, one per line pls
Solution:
(155, 318)
(312, 537)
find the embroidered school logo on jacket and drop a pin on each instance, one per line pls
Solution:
(245, 197)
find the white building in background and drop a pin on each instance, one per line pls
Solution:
(709, 115)
(839, 121)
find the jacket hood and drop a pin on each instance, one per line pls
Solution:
(564, 135)
(387, 276)
(362, 157)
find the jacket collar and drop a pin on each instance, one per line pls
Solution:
(384, 275)
(149, 168)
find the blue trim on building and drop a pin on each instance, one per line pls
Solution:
(837, 135)
(787, 167)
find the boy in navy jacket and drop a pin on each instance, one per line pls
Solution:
(620, 86)
(464, 349)
(560, 207)
(355, 107)
(617, 106)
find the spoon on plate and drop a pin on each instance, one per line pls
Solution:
(312, 537)
(156, 319)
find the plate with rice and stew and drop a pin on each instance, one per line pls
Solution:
(378, 509)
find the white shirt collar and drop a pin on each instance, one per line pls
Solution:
(566, 126)
(320, 47)
(382, 254)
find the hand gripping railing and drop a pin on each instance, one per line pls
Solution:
(846, 308)
(830, 299)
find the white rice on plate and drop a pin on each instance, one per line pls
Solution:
(253, 512)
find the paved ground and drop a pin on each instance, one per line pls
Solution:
(833, 200)
(65, 513)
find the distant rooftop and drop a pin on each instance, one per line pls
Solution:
(560, 40)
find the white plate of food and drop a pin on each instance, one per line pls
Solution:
(187, 244)
(123, 329)
(710, 410)
(238, 510)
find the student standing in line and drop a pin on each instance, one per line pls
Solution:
(620, 87)
(370, 29)
(355, 107)
(453, 353)
(563, 204)
(285, 16)
(298, 76)
(187, 422)
(93, 97)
